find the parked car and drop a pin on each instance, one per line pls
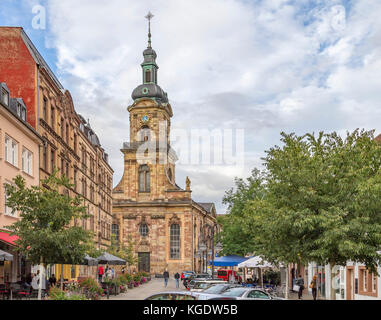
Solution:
(214, 291)
(195, 278)
(172, 295)
(225, 274)
(205, 284)
(242, 293)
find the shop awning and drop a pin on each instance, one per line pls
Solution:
(6, 237)
(5, 256)
(228, 261)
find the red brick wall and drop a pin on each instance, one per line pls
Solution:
(18, 70)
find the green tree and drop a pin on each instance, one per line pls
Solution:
(323, 202)
(44, 228)
(234, 238)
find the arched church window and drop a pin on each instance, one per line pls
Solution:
(148, 76)
(144, 178)
(143, 230)
(170, 174)
(145, 133)
(175, 241)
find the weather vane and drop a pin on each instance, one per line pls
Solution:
(149, 16)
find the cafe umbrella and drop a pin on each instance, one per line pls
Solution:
(107, 258)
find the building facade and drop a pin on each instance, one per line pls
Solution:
(19, 155)
(149, 208)
(70, 144)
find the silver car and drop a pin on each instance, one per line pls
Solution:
(172, 295)
(243, 293)
(205, 284)
(214, 291)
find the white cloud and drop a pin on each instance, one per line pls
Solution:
(265, 66)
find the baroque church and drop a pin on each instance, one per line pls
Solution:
(163, 221)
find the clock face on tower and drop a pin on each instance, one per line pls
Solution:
(145, 119)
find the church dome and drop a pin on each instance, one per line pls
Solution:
(149, 90)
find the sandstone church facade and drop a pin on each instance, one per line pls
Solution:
(149, 208)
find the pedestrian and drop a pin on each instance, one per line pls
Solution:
(313, 287)
(100, 273)
(166, 277)
(123, 270)
(177, 277)
(300, 283)
(52, 281)
(113, 273)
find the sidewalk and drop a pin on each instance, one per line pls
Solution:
(156, 285)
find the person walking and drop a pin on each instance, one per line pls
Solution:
(313, 287)
(177, 277)
(166, 277)
(300, 283)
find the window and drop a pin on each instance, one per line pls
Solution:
(52, 161)
(5, 97)
(67, 133)
(115, 231)
(256, 294)
(62, 128)
(44, 109)
(92, 193)
(62, 166)
(148, 75)
(365, 280)
(52, 117)
(84, 187)
(175, 241)
(75, 143)
(11, 151)
(75, 179)
(67, 169)
(374, 283)
(143, 230)
(144, 179)
(23, 114)
(92, 222)
(45, 156)
(27, 161)
(7, 210)
(19, 108)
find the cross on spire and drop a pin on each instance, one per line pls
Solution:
(149, 16)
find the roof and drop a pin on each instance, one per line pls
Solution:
(208, 206)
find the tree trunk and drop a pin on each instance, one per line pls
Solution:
(40, 280)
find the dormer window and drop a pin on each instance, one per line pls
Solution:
(5, 95)
(23, 114)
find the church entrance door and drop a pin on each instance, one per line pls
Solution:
(144, 261)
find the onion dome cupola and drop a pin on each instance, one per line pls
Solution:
(149, 88)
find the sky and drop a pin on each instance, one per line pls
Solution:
(259, 66)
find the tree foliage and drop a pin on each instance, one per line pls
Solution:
(44, 228)
(321, 201)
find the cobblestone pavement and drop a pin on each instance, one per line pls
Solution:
(156, 285)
